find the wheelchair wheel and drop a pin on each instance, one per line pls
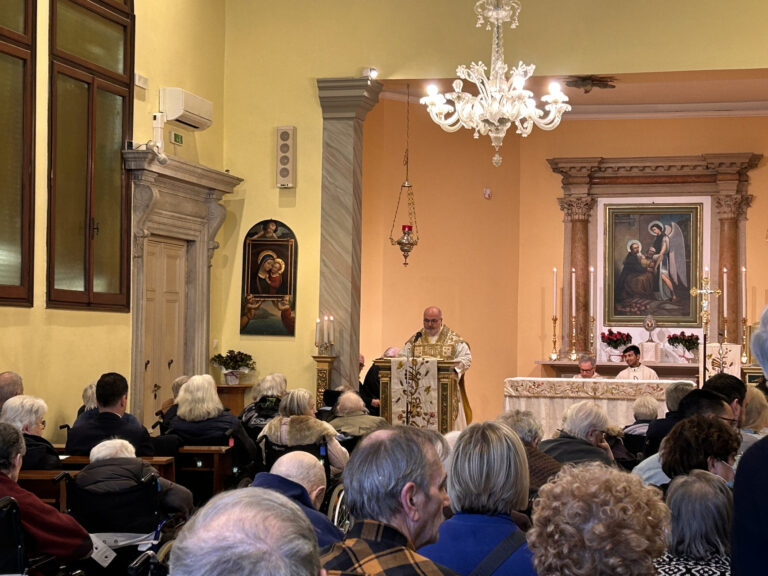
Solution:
(338, 513)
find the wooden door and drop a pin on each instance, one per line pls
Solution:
(164, 321)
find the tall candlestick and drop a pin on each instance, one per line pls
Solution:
(573, 291)
(331, 331)
(725, 292)
(325, 329)
(554, 291)
(591, 291)
(743, 292)
(317, 332)
(706, 272)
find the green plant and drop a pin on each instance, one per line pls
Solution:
(616, 340)
(688, 341)
(234, 360)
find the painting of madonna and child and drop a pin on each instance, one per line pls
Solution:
(268, 305)
(653, 254)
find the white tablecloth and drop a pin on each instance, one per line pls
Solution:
(548, 398)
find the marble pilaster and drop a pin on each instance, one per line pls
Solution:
(345, 103)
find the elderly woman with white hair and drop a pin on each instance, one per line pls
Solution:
(296, 425)
(27, 413)
(582, 438)
(200, 413)
(487, 484)
(266, 402)
(114, 467)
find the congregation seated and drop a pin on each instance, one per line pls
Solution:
(296, 425)
(200, 414)
(755, 418)
(47, 531)
(700, 443)
(109, 420)
(11, 385)
(394, 484)
(703, 402)
(266, 402)
(170, 407)
(659, 428)
(645, 410)
(352, 418)
(27, 413)
(699, 541)
(594, 519)
(487, 483)
(89, 399)
(541, 466)
(248, 532)
(582, 438)
(300, 477)
(114, 467)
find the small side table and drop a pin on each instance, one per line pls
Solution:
(233, 397)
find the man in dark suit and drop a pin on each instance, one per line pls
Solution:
(112, 399)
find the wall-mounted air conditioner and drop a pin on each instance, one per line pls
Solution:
(186, 108)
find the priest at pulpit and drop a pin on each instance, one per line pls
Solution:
(435, 340)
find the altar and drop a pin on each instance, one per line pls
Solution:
(548, 398)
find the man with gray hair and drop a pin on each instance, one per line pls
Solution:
(587, 365)
(248, 532)
(659, 428)
(10, 386)
(541, 467)
(396, 490)
(300, 477)
(582, 438)
(352, 418)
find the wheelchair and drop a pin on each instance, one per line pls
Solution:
(128, 521)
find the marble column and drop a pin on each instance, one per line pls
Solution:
(345, 103)
(576, 210)
(729, 208)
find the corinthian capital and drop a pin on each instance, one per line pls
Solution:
(732, 206)
(576, 208)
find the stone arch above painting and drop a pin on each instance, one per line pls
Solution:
(268, 306)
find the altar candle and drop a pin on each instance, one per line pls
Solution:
(725, 292)
(706, 272)
(573, 291)
(331, 331)
(317, 332)
(554, 291)
(325, 329)
(591, 291)
(743, 292)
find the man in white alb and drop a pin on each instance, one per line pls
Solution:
(636, 371)
(438, 341)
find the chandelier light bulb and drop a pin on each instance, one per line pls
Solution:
(502, 100)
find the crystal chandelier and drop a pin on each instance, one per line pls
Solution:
(501, 101)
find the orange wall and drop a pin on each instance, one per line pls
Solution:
(489, 263)
(467, 258)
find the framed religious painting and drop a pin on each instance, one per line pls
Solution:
(268, 304)
(653, 257)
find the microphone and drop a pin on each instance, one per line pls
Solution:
(418, 335)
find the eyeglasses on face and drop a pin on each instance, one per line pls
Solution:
(731, 421)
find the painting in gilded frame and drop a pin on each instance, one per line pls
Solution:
(653, 256)
(268, 304)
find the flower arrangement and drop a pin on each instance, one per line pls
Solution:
(234, 360)
(688, 341)
(615, 340)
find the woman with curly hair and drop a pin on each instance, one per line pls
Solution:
(700, 443)
(593, 520)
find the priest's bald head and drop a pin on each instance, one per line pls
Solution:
(433, 321)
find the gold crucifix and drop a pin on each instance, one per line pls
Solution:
(705, 291)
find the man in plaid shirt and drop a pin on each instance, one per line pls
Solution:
(395, 487)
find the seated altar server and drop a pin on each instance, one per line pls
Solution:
(635, 370)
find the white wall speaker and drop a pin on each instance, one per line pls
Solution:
(286, 157)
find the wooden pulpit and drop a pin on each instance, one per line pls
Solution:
(431, 392)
